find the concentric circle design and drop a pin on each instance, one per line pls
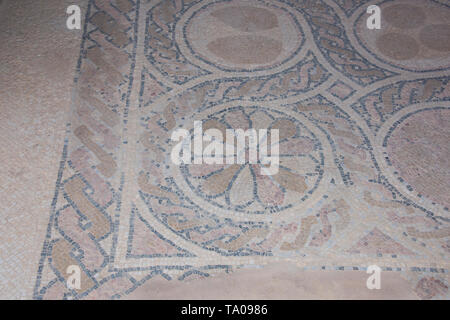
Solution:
(231, 36)
(409, 37)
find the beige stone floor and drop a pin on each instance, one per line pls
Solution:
(38, 60)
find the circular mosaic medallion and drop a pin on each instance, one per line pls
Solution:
(409, 37)
(418, 149)
(244, 187)
(235, 37)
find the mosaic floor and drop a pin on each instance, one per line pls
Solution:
(364, 123)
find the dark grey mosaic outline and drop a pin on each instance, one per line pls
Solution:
(388, 135)
(129, 255)
(148, 51)
(144, 74)
(360, 108)
(349, 12)
(381, 179)
(311, 13)
(220, 223)
(157, 270)
(352, 91)
(38, 291)
(272, 209)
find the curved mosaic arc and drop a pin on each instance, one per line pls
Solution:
(413, 155)
(148, 243)
(350, 6)
(332, 41)
(161, 49)
(378, 106)
(411, 39)
(164, 52)
(306, 76)
(341, 134)
(234, 30)
(125, 213)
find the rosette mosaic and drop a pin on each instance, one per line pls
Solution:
(364, 123)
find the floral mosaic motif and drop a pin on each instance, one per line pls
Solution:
(241, 187)
(151, 88)
(362, 169)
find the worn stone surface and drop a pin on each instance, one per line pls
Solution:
(39, 58)
(363, 127)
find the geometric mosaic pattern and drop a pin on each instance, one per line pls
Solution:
(364, 156)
